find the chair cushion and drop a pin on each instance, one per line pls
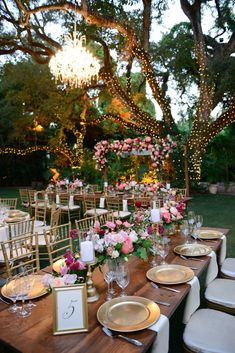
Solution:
(221, 291)
(228, 267)
(121, 214)
(66, 208)
(94, 211)
(38, 223)
(210, 331)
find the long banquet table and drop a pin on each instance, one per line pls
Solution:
(34, 333)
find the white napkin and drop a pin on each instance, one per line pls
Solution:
(192, 300)
(57, 199)
(124, 206)
(154, 204)
(71, 201)
(102, 200)
(161, 343)
(35, 196)
(46, 197)
(212, 270)
(223, 249)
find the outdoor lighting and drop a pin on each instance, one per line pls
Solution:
(74, 65)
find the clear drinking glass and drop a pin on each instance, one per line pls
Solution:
(109, 276)
(185, 232)
(163, 249)
(122, 278)
(30, 278)
(11, 290)
(22, 292)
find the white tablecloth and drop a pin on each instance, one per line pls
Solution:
(162, 327)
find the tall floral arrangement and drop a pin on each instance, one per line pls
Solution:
(173, 212)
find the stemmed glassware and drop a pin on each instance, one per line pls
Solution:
(30, 277)
(185, 231)
(22, 293)
(109, 276)
(11, 290)
(154, 249)
(163, 249)
(122, 278)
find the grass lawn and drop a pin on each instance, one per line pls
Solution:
(217, 211)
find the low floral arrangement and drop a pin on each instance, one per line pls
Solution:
(72, 271)
(173, 212)
(119, 240)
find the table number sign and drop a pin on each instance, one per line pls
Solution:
(70, 309)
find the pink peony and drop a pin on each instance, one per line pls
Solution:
(127, 246)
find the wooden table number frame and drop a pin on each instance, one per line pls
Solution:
(70, 312)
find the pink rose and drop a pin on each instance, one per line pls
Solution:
(127, 246)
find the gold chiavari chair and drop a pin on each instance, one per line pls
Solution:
(57, 241)
(18, 229)
(85, 224)
(118, 206)
(10, 203)
(90, 207)
(105, 218)
(20, 251)
(24, 198)
(68, 207)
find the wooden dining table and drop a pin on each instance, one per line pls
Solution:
(35, 333)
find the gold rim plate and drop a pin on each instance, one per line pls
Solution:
(192, 249)
(16, 213)
(14, 219)
(209, 234)
(36, 291)
(128, 314)
(170, 274)
(56, 265)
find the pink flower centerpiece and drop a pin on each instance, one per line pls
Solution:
(119, 240)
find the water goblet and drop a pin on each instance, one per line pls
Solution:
(185, 232)
(122, 278)
(163, 249)
(22, 292)
(109, 276)
(11, 290)
(30, 278)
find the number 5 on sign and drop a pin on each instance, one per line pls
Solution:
(70, 309)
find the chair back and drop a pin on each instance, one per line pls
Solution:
(143, 201)
(24, 197)
(103, 218)
(20, 251)
(10, 203)
(58, 240)
(85, 224)
(114, 203)
(40, 211)
(18, 229)
(55, 215)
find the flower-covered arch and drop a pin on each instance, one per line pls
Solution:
(158, 150)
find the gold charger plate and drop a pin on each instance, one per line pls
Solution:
(192, 249)
(128, 314)
(16, 213)
(36, 291)
(209, 234)
(170, 274)
(14, 219)
(56, 265)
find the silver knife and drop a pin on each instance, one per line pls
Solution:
(171, 289)
(162, 303)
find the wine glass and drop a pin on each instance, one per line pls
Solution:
(163, 249)
(22, 292)
(185, 231)
(122, 278)
(154, 249)
(11, 290)
(109, 276)
(30, 278)
(191, 218)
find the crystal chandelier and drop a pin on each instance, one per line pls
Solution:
(74, 65)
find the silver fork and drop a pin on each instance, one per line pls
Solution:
(116, 334)
(191, 258)
(167, 288)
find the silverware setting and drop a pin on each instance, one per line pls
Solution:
(111, 333)
(191, 258)
(163, 287)
(193, 268)
(5, 301)
(162, 303)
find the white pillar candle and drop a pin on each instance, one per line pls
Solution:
(105, 184)
(87, 251)
(155, 215)
(168, 186)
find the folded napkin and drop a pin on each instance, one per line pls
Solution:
(161, 343)
(192, 300)
(124, 206)
(57, 199)
(46, 197)
(35, 196)
(102, 200)
(71, 201)
(212, 270)
(223, 249)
